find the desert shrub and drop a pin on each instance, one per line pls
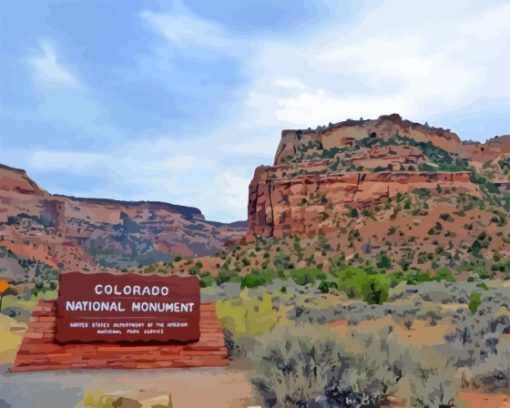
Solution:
(376, 365)
(443, 292)
(475, 300)
(433, 385)
(305, 276)
(226, 275)
(383, 261)
(245, 317)
(358, 283)
(398, 291)
(432, 314)
(411, 277)
(444, 274)
(446, 217)
(206, 279)
(475, 336)
(18, 313)
(195, 269)
(312, 309)
(293, 365)
(305, 366)
(494, 373)
(227, 290)
(324, 287)
(252, 281)
(258, 278)
(377, 289)
(482, 241)
(356, 312)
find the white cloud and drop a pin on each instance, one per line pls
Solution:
(236, 191)
(320, 108)
(181, 27)
(48, 67)
(403, 58)
(289, 83)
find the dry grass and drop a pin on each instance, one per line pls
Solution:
(11, 335)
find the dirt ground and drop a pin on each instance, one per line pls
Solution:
(479, 400)
(210, 387)
(421, 333)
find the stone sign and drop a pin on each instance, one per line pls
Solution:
(104, 307)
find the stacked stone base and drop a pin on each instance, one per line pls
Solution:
(40, 351)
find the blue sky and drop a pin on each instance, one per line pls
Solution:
(180, 101)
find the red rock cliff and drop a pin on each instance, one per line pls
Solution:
(317, 173)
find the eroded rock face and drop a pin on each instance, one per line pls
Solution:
(317, 174)
(71, 233)
(17, 181)
(347, 132)
(384, 128)
(303, 204)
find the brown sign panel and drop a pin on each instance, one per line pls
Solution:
(116, 308)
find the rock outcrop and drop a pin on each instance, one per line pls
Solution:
(319, 175)
(70, 233)
(278, 205)
(384, 128)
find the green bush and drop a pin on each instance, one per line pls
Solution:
(257, 278)
(383, 261)
(444, 274)
(195, 269)
(226, 275)
(324, 287)
(307, 275)
(446, 217)
(206, 279)
(411, 277)
(377, 289)
(482, 241)
(357, 282)
(475, 300)
(247, 316)
(353, 213)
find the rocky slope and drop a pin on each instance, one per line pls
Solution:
(296, 145)
(385, 187)
(40, 231)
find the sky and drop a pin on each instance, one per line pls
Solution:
(180, 101)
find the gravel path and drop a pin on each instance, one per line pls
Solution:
(210, 387)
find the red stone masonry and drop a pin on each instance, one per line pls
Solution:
(39, 351)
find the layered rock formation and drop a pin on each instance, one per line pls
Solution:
(307, 163)
(354, 181)
(384, 128)
(301, 204)
(71, 233)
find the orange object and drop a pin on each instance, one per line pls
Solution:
(4, 285)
